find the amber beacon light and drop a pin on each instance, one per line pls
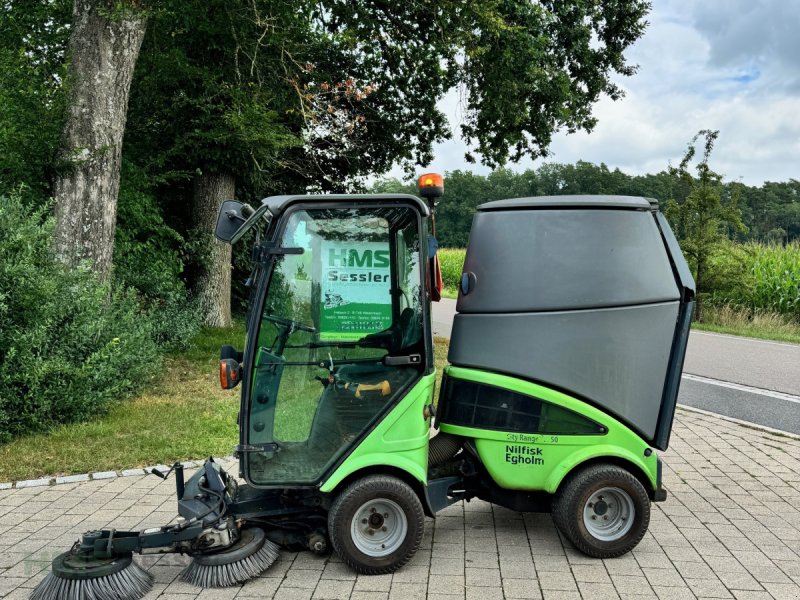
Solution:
(431, 185)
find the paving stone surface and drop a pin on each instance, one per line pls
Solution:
(729, 529)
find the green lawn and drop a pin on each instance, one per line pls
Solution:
(184, 415)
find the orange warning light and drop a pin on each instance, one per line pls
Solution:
(431, 185)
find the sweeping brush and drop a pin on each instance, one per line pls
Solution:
(246, 559)
(77, 577)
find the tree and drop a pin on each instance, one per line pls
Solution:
(205, 121)
(33, 41)
(103, 47)
(348, 87)
(702, 219)
(525, 70)
(313, 95)
(464, 192)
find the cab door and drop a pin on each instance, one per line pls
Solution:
(330, 317)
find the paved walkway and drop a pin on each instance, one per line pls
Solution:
(730, 529)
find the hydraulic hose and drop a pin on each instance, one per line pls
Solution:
(443, 447)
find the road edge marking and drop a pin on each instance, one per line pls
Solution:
(743, 388)
(744, 338)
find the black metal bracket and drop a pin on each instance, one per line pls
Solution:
(161, 474)
(263, 251)
(110, 542)
(179, 480)
(441, 493)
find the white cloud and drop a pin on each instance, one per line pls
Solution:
(717, 64)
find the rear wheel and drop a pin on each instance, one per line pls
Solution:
(603, 510)
(376, 524)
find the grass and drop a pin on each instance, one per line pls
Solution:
(184, 415)
(440, 346)
(451, 293)
(733, 321)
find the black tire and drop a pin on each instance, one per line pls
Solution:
(591, 483)
(354, 503)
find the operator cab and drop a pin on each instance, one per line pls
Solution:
(337, 331)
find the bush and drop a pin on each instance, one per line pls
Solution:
(149, 257)
(174, 322)
(727, 274)
(68, 345)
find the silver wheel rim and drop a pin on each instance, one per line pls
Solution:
(379, 527)
(608, 514)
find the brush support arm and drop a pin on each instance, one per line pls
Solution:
(110, 542)
(203, 505)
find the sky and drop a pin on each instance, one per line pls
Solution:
(731, 65)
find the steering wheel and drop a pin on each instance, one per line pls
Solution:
(289, 324)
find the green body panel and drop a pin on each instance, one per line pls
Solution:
(399, 440)
(522, 461)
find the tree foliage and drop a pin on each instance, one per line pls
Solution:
(532, 68)
(319, 93)
(199, 103)
(312, 95)
(702, 221)
(766, 209)
(33, 39)
(524, 70)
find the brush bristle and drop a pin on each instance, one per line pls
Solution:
(234, 573)
(131, 583)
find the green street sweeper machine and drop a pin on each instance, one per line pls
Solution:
(565, 359)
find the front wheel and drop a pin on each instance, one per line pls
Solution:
(376, 524)
(603, 510)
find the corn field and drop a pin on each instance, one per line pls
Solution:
(451, 261)
(772, 279)
(767, 279)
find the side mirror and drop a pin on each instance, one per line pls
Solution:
(228, 351)
(232, 216)
(230, 373)
(230, 368)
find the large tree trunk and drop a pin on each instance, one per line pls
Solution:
(103, 48)
(213, 285)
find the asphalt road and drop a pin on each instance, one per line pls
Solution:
(752, 380)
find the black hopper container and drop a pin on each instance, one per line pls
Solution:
(586, 294)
